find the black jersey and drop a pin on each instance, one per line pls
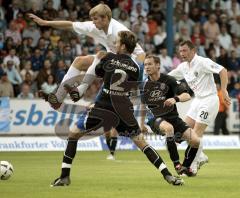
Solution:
(119, 72)
(156, 92)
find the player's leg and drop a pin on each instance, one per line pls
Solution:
(156, 159)
(167, 128)
(81, 63)
(111, 140)
(191, 151)
(69, 154)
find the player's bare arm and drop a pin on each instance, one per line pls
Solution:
(54, 24)
(180, 98)
(224, 82)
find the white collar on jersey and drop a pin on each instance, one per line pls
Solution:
(194, 59)
(110, 27)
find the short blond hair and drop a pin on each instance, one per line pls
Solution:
(101, 10)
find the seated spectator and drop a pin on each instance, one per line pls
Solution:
(166, 61)
(136, 12)
(32, 84)
(234, 61)
(25, 92)
(44, 73)
(211, 29)
(124, 19)
(6, 87)
(37, 60)
(235, 46)
(14, 33)
(235, 92)
(61, 71)
(13, 76)
(32, 31)
(12, 56)
(225, 39)
(50, 85)
(27, 68)
(20, 21)
(54, 38)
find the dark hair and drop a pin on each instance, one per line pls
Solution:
(188, 43)
(128, 39)
(155, 58)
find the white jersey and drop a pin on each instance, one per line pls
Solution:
(107, 40)
(198, 75)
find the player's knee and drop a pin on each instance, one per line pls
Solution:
(80, 63)
(101, 54)
(75, 132)
(194, 141)
(168, 129)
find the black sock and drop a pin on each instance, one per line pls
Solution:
(156, 160)
(190, 154)
(68, 157)
(113, 144)
(172, 149)
(108, 141)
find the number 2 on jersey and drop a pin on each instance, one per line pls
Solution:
(115, 86)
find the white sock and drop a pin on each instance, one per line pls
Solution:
(88, 77)
(70, 78)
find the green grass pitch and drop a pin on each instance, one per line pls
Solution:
(131, 175)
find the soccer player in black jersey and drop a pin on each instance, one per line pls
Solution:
(160, 94)
(113, 108)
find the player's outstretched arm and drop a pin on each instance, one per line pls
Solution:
(224, 82)
(54, 24)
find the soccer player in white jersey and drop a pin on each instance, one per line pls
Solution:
(103, 28)
(198, 73)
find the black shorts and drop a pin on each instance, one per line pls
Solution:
(105, 118)
(178, 124)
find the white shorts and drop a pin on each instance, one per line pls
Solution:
(204, 110)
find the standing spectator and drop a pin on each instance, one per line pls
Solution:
(220, 121)
(235, 92)
(234, 61)
(142, 24)
(197, 34)
(6, 87)
(25, 92)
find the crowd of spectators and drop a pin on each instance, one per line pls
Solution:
(34, 58)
